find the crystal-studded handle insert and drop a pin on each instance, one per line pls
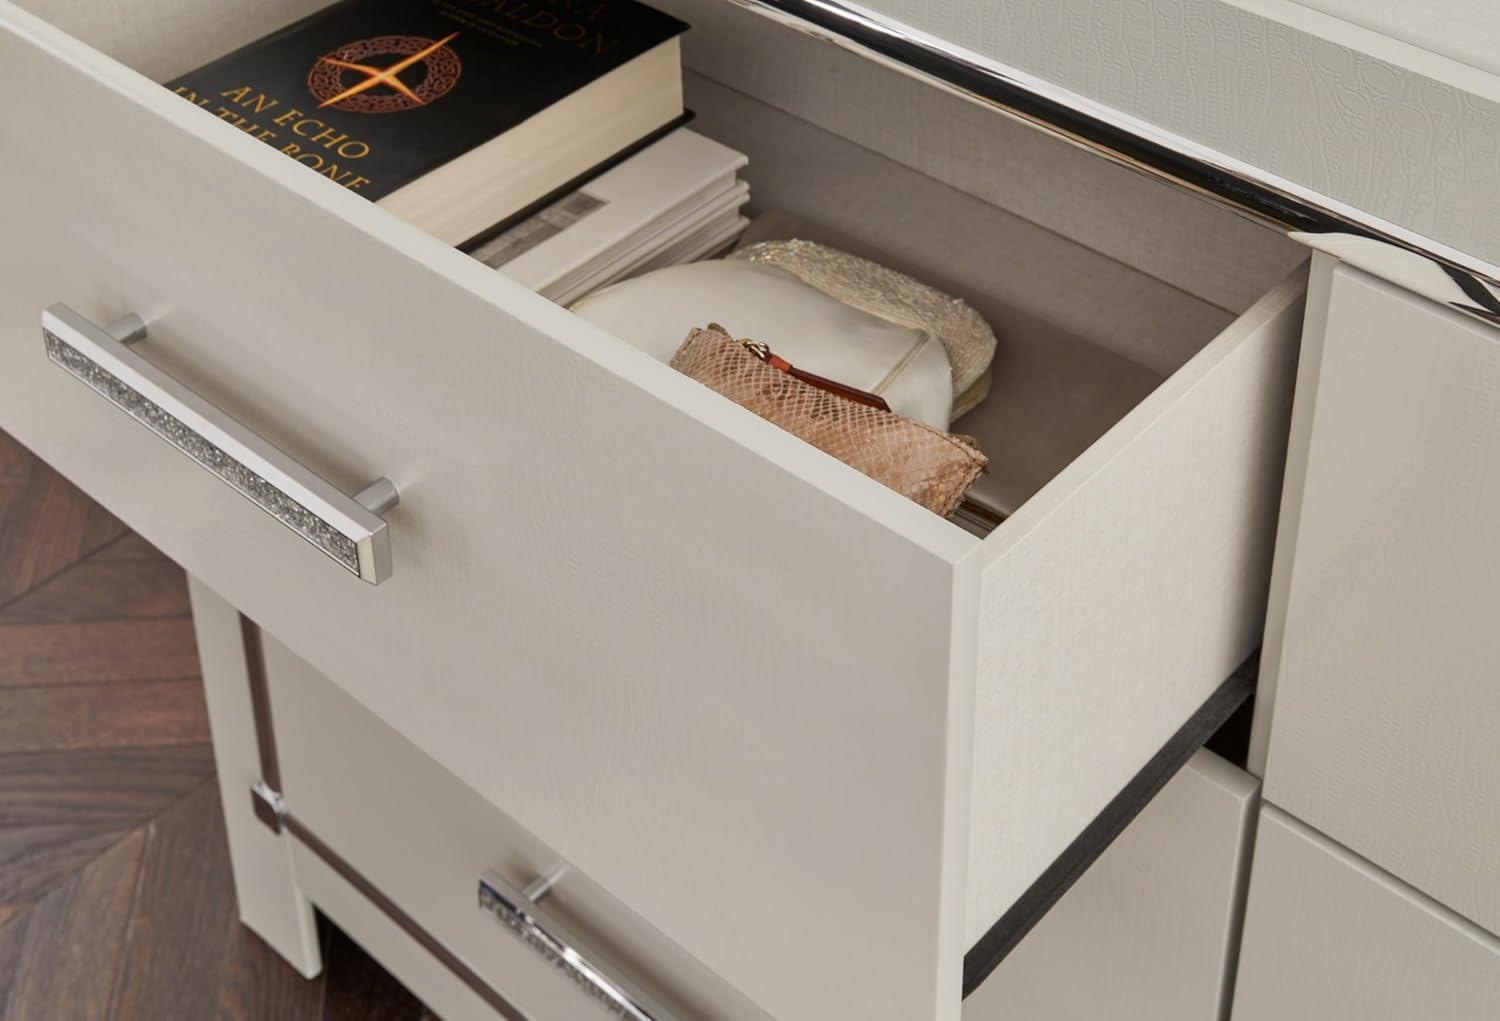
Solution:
(345, 529)
(549, 938)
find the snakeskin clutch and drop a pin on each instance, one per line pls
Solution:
(921, 463)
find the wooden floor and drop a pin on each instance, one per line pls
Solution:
(115, 893)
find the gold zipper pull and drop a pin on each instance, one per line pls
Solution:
(758, 348)
(762, 350)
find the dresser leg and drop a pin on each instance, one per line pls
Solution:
(270, 903)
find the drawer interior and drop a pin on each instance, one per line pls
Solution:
(1102, 286)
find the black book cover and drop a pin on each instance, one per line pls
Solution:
(375, 93)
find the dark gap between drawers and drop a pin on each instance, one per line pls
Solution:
(412, 928)
(993, 947)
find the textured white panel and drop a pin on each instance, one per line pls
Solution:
(1465, 30)
(1309, 360)
(1385, 128)
(1014, 272)
(1151, 929)
(616, 595)
(1166, 232)
(1120, 596)
(1327, 936)
(346, 776)
(1383, 732)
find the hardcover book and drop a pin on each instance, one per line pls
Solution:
(454, 114)
(665, 192)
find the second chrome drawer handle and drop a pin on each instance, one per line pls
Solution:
(519, 913)
(348, 529)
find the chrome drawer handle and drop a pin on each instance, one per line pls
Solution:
(519, 913)
(348, 529)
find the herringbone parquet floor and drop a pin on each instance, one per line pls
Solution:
(115, 895)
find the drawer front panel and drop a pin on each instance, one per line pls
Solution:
(425, 841)
(1149, 930)
(1329, 936)
(1385, 709)
(1216, 73)
(1116, 601)
(579, 537)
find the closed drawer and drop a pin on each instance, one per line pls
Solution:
(1327, 935)
(730, 680)
(1150, 930)
(1383, 722)
(425, 840)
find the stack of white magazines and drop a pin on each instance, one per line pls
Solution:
(675, 201)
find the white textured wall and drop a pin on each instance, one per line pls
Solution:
(1406, 133)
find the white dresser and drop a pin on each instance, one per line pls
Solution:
(652, 707)
(1376, 880)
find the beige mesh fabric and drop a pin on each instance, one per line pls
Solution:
(896, 298)
(917, 461)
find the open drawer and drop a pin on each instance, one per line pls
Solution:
(811, 733)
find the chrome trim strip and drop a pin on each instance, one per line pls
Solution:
(520, 914)
(253, 644)
(1309, 216)
(269, 806)
(339, 526)
(274, 804)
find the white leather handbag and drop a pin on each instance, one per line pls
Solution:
(828, 312)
